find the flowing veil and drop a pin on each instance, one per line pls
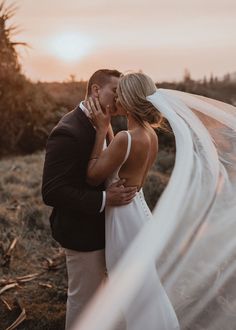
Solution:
(192, 238)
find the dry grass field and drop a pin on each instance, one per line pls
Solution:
(32, 272)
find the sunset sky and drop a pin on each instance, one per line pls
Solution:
(160, 37)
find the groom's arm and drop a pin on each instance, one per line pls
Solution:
(58, 190)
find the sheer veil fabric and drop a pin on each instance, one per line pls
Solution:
(191, 239)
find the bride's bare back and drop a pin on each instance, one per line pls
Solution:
(144, 147)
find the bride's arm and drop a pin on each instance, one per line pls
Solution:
(103, 163)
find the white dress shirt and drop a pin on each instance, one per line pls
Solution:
(85, 110)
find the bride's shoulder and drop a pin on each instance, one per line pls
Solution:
(121, 136)
(119, 140)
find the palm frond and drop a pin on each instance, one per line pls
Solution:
(2, 5)
(6, 13)
(20, 44)
(11, 9)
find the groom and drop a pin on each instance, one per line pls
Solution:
(78, 218)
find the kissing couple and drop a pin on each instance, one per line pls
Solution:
(93, 180)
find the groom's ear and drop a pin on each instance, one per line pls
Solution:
(95, 90)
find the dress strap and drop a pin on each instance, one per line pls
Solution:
(128, 146)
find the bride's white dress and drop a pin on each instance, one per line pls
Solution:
(152, 309)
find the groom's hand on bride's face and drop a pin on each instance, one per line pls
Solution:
(117, 194)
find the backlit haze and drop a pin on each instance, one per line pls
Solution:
(160, 37)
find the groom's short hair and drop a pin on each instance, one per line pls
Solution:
(101, 77)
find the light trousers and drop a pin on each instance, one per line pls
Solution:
(86, 271)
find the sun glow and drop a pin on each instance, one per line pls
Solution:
(70, 46)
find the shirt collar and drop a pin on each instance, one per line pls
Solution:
(84, 109)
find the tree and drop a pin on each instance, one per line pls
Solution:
(9, 64)
(187, 76)
(26, 110)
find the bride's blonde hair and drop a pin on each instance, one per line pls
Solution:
(132, 90)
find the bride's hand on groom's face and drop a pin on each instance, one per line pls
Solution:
(100, 118)
(117, 194)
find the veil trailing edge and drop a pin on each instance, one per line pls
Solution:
(207, 106)
(219, 200)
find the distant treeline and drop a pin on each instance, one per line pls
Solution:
(220, 89)
(28, 111)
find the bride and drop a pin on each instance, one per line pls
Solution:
(189, 240)
(129, 156)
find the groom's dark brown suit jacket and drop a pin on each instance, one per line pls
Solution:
(76, 221)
